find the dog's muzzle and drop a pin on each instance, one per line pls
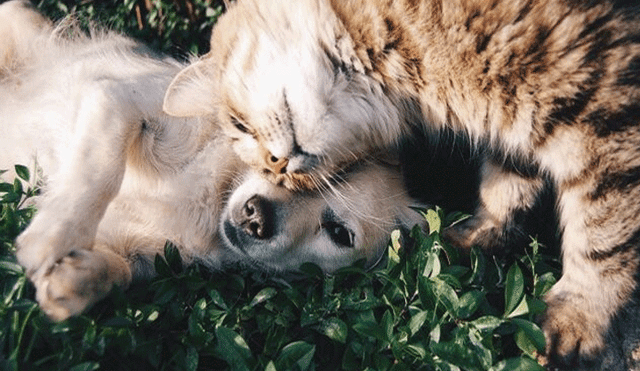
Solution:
(255, 218)
(251, 224)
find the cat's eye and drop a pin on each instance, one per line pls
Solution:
(239, 125)
(339, 234)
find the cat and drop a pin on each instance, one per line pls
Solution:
(120, 178)
(549, 88)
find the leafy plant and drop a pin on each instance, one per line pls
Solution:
(181, 28)
(425, 310)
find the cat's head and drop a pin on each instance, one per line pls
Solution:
(285, 83)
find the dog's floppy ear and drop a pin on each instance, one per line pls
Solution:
(191, 93)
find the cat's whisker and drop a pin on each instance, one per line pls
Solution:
(348, 202)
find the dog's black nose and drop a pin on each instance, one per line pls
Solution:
(255, 217)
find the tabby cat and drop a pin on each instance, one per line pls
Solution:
(307, 88)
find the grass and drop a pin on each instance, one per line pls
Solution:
(177, 27)
(427, 309)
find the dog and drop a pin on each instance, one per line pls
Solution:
(119, 177)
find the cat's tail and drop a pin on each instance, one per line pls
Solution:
(20, 26)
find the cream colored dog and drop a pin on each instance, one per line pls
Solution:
(121, 177)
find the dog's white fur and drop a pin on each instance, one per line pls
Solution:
(121, 177)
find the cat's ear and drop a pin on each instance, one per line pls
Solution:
(191, 93)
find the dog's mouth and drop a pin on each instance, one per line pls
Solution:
(236, 243)
(231, 236)
(245, 248)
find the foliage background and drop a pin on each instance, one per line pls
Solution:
(177, 27)
(427, 309)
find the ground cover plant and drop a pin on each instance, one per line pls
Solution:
(426, 308)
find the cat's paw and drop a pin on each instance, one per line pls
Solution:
(574, 334)
(79, 280)
(475, 231)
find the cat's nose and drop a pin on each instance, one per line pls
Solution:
(255, 217)
(277, 165)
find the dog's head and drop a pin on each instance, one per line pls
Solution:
(273, 228)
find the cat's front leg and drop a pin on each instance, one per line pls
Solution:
(600, 268)
(503, 192)
(89, 177)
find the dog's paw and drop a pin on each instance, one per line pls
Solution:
(574, 334)
(79, 280)
(47, 240)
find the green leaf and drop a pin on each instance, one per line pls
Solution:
(23, 172)
(521, 309)
(387, 325)
(335, 329)
(445, 366)
(11, 267)
(529, 337)
(153, 315)
(517, 364)
(232, 348)
(172, 255)
(433, 267)
(433, 220)
(11, 197)
(446, 295)
(6, 187)
(487, 323)
(455, 218)
(86, 366)
(416, 351)
(311, 270)
(351, 358)
(191, 359)
(17, 187)
(118, 321)
(166, 290)
(298, 353)
(478, 265)
(469, 303)
(370, 329)
(161, 266)
(460, 353)
(90, 335)
(217, 299)
(536, 306)
(543, 284)
(394, 248)
(417, 320)
(14, 291)
(425, 292)
(262, 296)
(435, 333)
(198, 334)
(514, 289)
(271, 367)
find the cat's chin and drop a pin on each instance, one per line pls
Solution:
(318, 177)
(294, 181)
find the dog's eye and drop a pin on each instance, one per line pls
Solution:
(339, 234)
(239, 125)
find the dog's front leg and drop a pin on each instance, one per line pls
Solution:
(90, 174)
